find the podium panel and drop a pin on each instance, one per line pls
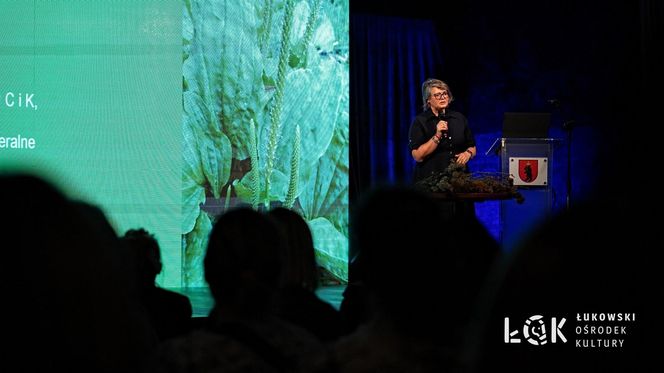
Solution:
(530, 162)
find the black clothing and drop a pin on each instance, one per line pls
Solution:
(423, 129)
(304, 309)
(169, 311)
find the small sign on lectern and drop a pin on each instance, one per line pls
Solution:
(529, 171)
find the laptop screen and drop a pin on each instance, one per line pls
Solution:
(528, 125)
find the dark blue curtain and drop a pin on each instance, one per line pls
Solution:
(391, 58)
(601, 62)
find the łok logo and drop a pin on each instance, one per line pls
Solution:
(535, 332)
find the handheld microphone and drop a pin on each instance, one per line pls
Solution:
(443, 116)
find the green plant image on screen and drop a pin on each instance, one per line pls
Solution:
(166, 113)
(265, 120)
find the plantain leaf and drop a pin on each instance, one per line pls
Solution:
(193, 179)
(213, 146)
(331, 247)
(325, 192)
(325, 187)
(239, 78)
(324, 38)
(195, 244)
(226, 46)
(312, 101)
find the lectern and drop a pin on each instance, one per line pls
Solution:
(529, 162)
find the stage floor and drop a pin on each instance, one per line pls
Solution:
(202, 302)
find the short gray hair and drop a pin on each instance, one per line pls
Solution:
(426, 90)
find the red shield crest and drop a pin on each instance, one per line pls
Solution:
(528, 170)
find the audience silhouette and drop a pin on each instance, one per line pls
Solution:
(413, 266)
(242, 268)
(297, 301)
(169, 312)
(69, 303)
(427, 293)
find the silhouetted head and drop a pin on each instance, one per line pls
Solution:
(404, 252)
(62, 268)
(299, 266)
(242, 262)
(145, 250)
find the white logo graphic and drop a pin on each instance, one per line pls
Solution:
(534, 330)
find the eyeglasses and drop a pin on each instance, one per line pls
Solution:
(440, 95)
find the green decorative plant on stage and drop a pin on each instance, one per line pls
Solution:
(456, 181)
(265, 96)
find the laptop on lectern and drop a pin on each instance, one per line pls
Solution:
(526, 125)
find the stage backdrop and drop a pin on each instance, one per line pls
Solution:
(166, 112)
